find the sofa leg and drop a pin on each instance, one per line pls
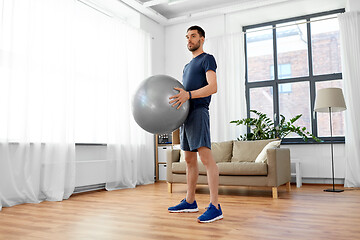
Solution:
(169, 187)
(288, 186)
(274, 192)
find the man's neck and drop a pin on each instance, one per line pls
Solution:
(197, 52)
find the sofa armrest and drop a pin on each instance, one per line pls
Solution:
(172, 155)
(279, 171)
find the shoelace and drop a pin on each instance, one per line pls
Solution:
(209, 207)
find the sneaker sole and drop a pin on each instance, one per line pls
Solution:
(211, 220)
(184, 210)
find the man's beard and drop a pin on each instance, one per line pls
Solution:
(195, 47)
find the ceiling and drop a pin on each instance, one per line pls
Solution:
(167, 12)
(180, 8)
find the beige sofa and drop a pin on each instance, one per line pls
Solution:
(240, 163)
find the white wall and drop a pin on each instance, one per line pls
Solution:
(280, 11)
(157, 33)
(90, 165)
(353, 5)
(315, 159)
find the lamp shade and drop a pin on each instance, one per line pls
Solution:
(330, 98)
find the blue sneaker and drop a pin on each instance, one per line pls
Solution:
(184, 206)
(212, 214)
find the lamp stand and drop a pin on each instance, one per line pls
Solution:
(332, 160)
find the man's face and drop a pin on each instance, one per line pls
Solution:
(194, 40)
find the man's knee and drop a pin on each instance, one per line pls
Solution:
(191, 158)
(206, 156)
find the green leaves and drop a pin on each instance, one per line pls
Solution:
(263, 127)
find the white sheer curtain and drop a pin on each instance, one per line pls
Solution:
(350, 48)
(55, 55)
(130, 149)
(229, 103)
(37, 150)
(112, 58)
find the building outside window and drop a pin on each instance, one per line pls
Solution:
(284, 72)
(287, 62)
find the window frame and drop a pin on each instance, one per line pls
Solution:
(276, 81)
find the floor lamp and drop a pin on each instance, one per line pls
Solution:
(330, 100)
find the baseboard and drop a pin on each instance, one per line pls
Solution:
(320, 180)
(89, 188)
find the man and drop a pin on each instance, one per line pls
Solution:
(199, 80)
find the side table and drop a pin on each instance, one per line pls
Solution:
(297, 173)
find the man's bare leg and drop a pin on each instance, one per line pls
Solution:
(192, 173)
(212, 173)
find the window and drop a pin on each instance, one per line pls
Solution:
(287, 61)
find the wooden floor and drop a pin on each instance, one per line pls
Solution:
(141, 213)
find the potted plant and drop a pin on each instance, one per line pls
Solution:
(263, 127)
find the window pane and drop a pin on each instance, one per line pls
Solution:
(260, 59)
(292, 49)
(323, 119)
(261, 99)
(284, 71)
(325, 45)
(295, 101)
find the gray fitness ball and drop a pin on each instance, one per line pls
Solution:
(151, 108)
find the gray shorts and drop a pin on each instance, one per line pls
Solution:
(195, 132)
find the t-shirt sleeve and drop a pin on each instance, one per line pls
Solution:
(209, 63)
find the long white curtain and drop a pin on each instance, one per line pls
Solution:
(350, 48)
(117, 60)
(229, 103)
(37, 149)
(56, 57)
(130, 151)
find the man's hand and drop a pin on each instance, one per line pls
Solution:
(180, 98)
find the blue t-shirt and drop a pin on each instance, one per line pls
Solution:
(194, 77)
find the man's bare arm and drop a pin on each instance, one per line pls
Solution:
(183, 96)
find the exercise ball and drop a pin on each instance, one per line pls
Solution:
(151, 108)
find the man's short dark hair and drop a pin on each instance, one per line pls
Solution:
(199, 29)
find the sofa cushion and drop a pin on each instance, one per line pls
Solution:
(242, 169)
(262, 157)
(227, 168)
(180, 167)
(221, 151)
(247, 151)
(182, 156)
